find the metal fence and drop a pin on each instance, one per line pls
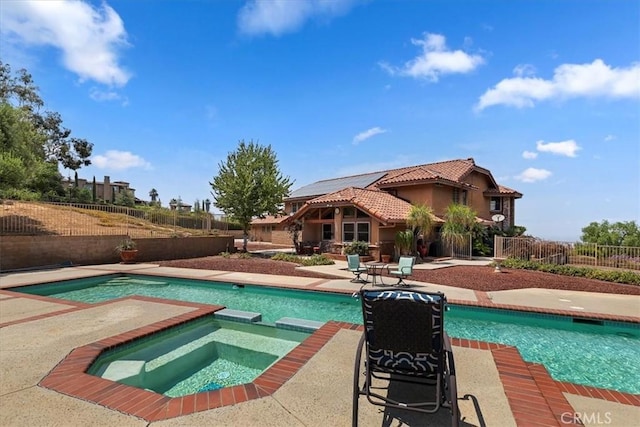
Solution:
(581, 254)
(73, 219)
(459, 249)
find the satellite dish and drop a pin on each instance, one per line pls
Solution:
(498, 218)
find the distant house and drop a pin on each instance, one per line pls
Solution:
(372, 207)
(105, 190)
(179, 206)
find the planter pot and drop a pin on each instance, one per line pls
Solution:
(385, 258)
(128, 256)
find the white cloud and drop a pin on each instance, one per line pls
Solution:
(435, 60)
(533, 175)
(609, 138)
(524, 70)
(119, 160)
(569, 81)
(89, 37)
(529, 155)
(277, 17)
(109, 95)
(567, 148)
(367, 134)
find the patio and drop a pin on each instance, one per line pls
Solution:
(495, 386)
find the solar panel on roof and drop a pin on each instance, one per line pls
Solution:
(330, 185)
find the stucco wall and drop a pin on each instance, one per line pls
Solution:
(18, 252)
(281, 237)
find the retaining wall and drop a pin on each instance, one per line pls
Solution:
(20, 252)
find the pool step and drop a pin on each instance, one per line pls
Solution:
(130, 372)
(238, 315)
(301, 325)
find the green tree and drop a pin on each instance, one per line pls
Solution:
(420, 220)
(249, 184)
(624, 233)
(154, 198)
(125, 198)
(459, 221)
(12, 171)
(32, 136)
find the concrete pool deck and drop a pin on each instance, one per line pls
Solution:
(495, 386)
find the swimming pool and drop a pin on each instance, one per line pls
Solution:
(601, 354)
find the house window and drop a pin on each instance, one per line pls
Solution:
(295, 206)
(327, 231)
(459, 197)
(355, 231)
(348, 231)
(494, 204)
(348, 212)
(363, 231)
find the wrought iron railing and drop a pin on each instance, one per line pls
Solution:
(555, 252)
(73, 219)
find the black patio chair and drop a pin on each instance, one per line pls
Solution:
(404, 342)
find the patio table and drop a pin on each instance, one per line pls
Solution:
(374, 269)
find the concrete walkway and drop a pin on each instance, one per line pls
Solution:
(36, 333)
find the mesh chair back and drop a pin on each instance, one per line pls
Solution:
(405, 264)
(353, 261)
(404, 330)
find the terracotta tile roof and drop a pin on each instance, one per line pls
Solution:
(450, 170)
(504, 191)
(269, 219)
(388, 208)
(379, 204)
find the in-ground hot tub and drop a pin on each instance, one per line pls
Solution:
(199, 356)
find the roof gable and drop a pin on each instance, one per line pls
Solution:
(379, 204)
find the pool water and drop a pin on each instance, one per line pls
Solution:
(603, 354)
(207, 354)
(268, 301)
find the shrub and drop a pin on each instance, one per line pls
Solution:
(305, 261)
(361, 248)
(317, 260)
(615, 276)
(225, 254)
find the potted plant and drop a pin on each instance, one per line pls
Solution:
(420, 220)
(127, 250)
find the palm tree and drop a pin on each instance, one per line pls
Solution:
(154, 195)
(458, 222)
(420, 220)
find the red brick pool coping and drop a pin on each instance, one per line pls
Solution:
(534, 397)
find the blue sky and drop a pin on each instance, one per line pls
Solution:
(544, 94)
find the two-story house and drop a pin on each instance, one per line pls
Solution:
(372, 207)
(105, 190)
